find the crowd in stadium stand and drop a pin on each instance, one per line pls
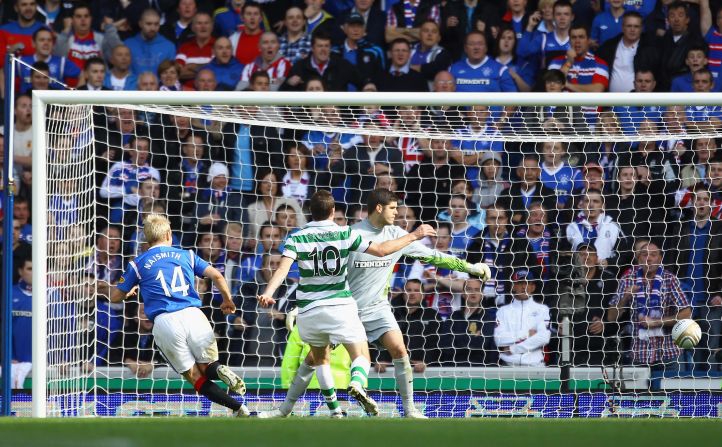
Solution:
(622, 238)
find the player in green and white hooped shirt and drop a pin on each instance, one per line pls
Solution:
(369, 281)
(328, 315)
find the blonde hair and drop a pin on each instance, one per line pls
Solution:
(155, 228)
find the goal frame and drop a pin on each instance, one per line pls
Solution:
(41, 99)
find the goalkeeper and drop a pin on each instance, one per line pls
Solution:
(369, 281)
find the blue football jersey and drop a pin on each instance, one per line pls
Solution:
(165, 276)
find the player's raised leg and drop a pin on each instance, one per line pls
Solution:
(393, 341)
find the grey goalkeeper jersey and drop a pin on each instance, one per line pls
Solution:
(369, 277)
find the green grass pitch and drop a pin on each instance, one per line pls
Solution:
(317, 432)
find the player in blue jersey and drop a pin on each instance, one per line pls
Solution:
(165, 277)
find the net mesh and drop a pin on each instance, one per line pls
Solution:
(572, 195)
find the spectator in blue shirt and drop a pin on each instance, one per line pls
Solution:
(556, 174)
(119, 77)
(148, 47)
(226, 67)
(608, 23)
(545, 46)
(60, 68)
(22, 337)
(696, 60)
(478, 72)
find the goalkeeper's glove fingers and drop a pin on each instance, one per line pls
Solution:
(291, 318)
(481, 270)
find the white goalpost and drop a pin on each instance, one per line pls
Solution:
(79, 361)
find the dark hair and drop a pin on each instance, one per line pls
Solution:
(251, 4)
(285, 207)
(266, 224)
(533, 157)
(563, 3)
(677, 4)
(446, 225)
(259, 74)
(413, 280)
(320, 35)
(502, 29)
(697, 47)
(597, 191)
(322, 204)
(81, 5)
(577, 26)
(41, 66)
(475, 32)
(40, 30)
(17, 99)
(92, 61)
(704, 70)
(399, 40)
(633, 14)
(554, 75)
(380, 197)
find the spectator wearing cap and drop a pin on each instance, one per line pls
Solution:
(374, 20)
(529, 189)
(59, 67)
(477, 72)
(119, 77)
(78, 42)
(404, 19)
(246, 41)
(428, 57)
(335, 72)
(522, 327)
(223, 65)
(197, 51)
(270, 60)
(593, 177)
(400, 77)
(295, 42)
(652, 300)
(212, 210)
(148, 47)
(593, 226)
(584, 298)
(627, 53)
(17, 37)
(468, 334)
(696, 252)
(368, 58)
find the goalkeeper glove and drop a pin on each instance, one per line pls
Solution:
(481, 270)
(291, 318)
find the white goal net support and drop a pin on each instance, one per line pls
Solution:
(603, 207)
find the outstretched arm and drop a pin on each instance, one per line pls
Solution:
(436, 258)
(266, 299)
(228, 307)
(392, 246)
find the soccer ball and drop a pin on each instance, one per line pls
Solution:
(686, 334)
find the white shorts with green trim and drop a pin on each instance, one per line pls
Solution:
(331, 325)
